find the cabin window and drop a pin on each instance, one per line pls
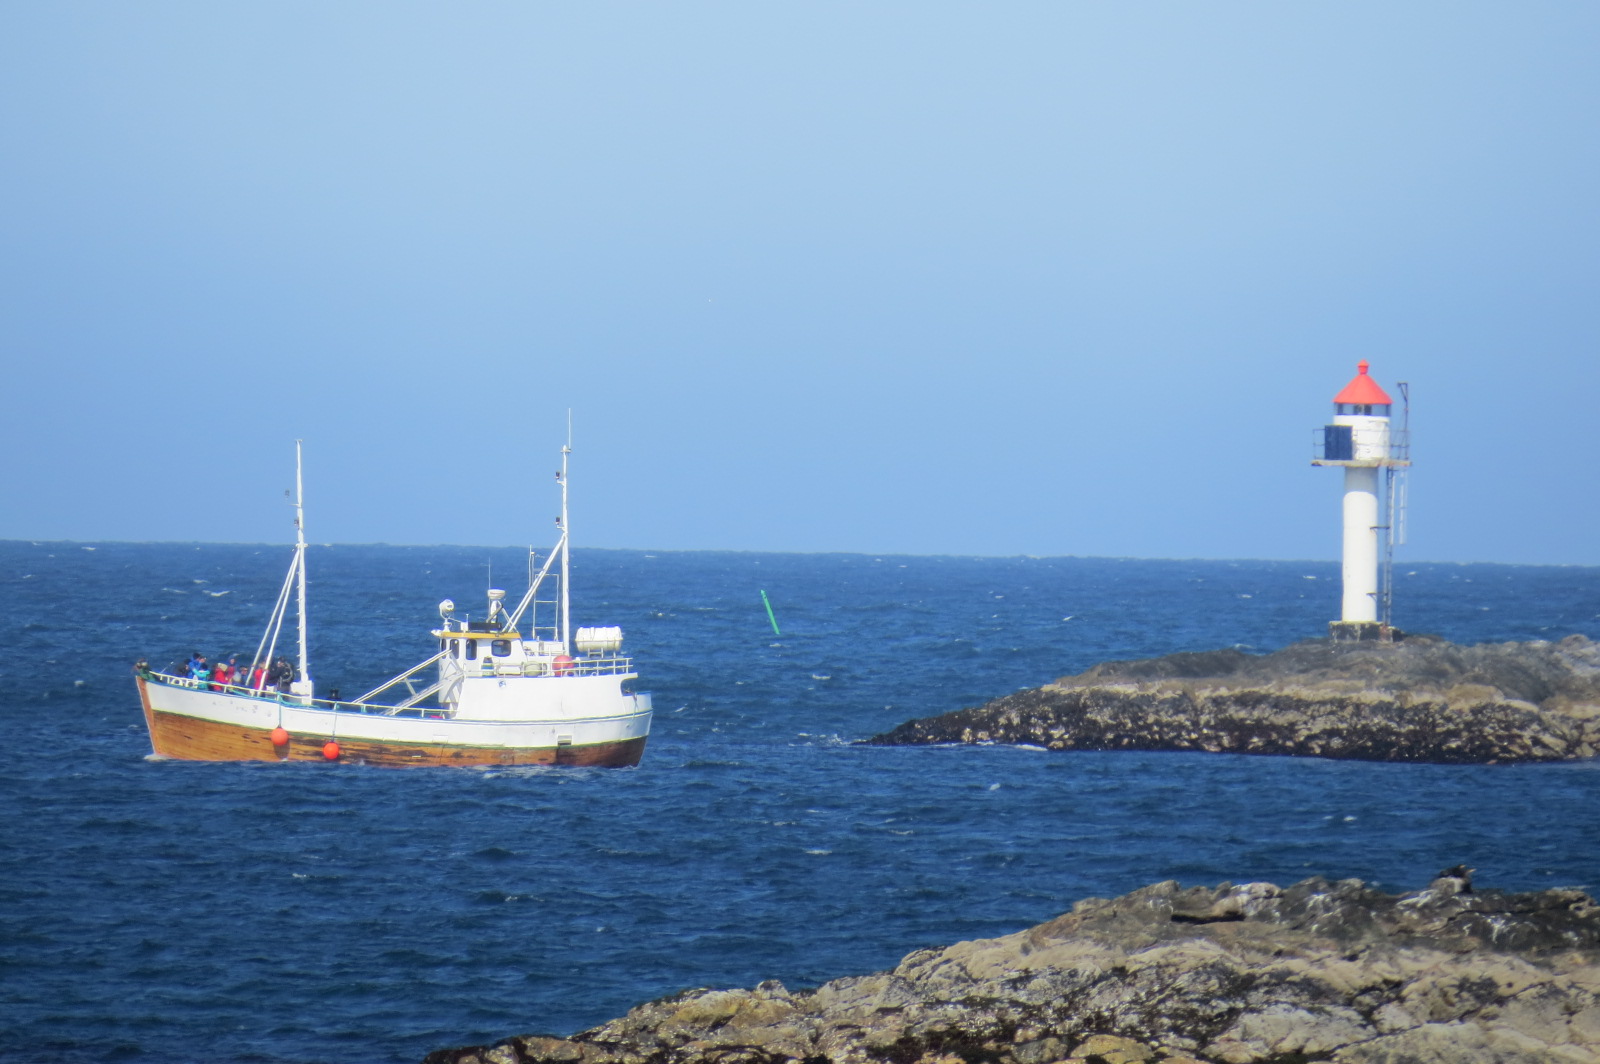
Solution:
(472, 650)
(501, 648)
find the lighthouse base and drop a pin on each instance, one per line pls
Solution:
(1363, 632)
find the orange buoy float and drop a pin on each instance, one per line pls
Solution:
(280, 737)
(330, 750)
(562, 664)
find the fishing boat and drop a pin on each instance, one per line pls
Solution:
(494, 693)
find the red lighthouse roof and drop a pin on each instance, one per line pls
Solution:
(1363, 389)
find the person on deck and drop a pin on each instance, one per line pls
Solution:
(282, 674)
(199, 670)
(221, 676)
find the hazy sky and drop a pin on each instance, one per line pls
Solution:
(1042, 278)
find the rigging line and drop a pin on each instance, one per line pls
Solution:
(282, 605)
(534, 584)
(293, 568)
(276, 617)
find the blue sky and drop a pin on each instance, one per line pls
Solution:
(1042, 278)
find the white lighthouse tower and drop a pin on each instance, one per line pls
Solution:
(1360, 440)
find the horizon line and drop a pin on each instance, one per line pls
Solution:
(748, 550)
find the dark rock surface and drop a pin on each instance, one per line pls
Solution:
(1421, 699)
(1249, 974)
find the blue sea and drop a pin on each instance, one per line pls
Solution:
(165, 911)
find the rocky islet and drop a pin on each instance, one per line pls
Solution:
(1235, 974)
(1419, 699)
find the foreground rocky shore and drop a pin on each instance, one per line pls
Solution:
(1420, 699)
(1250, 974)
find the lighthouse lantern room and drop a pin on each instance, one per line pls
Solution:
(1361, 440)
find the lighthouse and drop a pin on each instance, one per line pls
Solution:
(1360, 439)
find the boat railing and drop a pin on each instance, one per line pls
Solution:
(601, 665)
(272, 694)
(172, 680)
(588, 665)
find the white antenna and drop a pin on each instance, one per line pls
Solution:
(566, 547)
(300, 560)
(562, 626)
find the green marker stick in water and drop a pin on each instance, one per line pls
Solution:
(768, 604)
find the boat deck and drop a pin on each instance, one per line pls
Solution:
(609, 665)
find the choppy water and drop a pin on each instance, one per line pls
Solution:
(168, 911)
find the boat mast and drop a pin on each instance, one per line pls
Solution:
(300, 557)
(566, 548)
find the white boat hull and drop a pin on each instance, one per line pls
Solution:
(578, 720)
